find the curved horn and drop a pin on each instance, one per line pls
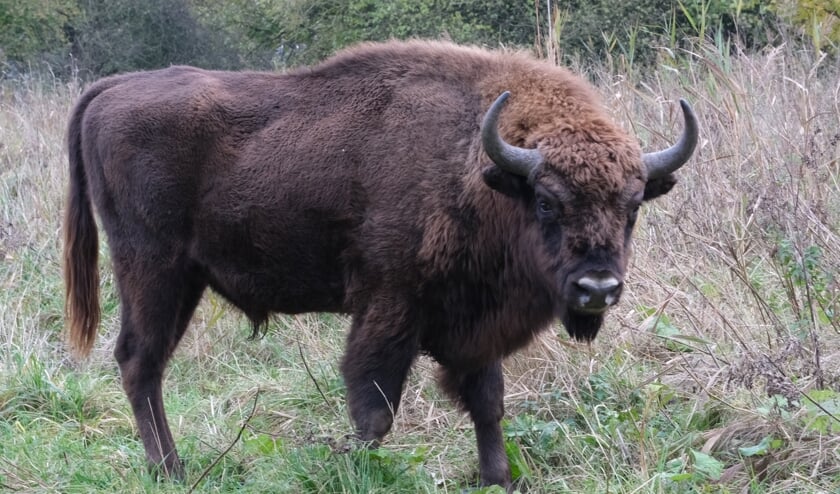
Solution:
(667, 161)
(519, 161)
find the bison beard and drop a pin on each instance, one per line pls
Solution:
(387, 183)
(582, 327)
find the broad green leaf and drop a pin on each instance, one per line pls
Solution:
(707, 465)
(679, 477)
(759, 449)
(518, 465)
(264, 443)
(823, 418)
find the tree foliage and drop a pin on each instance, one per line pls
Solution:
(121, 35)
(293, 32)
(637, 29)
(817, 20)
(101, 37)
(34, 27)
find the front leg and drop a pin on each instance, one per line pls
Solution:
(380, 350)
(481, 393)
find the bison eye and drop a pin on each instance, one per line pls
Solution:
(545, 207)
(548, 206)
(634, 213)
(546, 210)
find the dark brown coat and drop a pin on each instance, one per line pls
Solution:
(361, 186)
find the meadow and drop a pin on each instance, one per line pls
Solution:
(719, 371)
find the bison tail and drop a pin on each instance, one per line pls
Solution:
(81, 244)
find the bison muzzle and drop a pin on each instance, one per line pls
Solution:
(455, 201)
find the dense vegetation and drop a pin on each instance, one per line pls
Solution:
(718, 372)
(98, 37)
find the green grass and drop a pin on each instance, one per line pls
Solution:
(718, 372)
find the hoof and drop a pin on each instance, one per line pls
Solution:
(172, 471)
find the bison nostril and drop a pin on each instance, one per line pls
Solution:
(598, 285)
(597, 291)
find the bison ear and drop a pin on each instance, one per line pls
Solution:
(659, 186)
(507, 183)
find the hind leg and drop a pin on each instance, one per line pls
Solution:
(158, 301)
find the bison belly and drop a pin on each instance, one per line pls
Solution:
(291, 263)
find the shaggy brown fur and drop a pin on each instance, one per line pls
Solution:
(359, 186)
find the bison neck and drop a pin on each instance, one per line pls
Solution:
(485, 289)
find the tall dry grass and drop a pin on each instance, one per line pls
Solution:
(733, 295)
(33, 113)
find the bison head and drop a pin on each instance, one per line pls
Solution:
(582, 187)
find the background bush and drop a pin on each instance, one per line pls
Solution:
(636, 30)
(122, 35)
(35, 30)
(100, 37)
(293, 32)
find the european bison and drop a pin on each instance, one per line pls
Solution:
(454, 200)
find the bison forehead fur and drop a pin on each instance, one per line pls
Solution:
(360, 185)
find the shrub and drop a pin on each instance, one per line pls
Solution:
(124, 35)
(296, 32)
(635, 30)
(34, 28)
(816, 20)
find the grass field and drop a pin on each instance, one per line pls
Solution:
(718, 372)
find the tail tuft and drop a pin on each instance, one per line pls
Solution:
(81, 245)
